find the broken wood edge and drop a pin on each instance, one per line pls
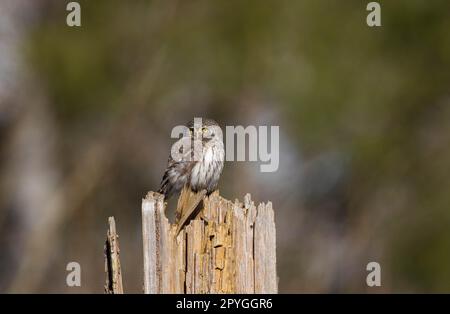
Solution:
(112, 260)
(178, 263)
(150, 207)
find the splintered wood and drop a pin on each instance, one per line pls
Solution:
(225, 248)
(112, 260)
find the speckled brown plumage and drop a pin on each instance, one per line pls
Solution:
(200, 166)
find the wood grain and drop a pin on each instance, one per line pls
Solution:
(226, 247)
(112, 260)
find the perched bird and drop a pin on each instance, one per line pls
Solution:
(200, 166)
(196, 161)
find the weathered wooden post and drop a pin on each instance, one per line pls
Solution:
(112, 260)
(226, 248)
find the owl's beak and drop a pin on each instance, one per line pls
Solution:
(198, 134)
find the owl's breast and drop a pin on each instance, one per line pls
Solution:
(206, 173)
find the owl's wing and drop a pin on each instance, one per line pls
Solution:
(178, 170)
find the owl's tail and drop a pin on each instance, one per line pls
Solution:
(165, 187)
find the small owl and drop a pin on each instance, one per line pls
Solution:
(196, 159)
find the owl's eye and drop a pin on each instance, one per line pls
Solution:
(204, 130)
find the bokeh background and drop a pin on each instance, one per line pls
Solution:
(364, 116)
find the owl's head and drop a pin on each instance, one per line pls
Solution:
(204, 129)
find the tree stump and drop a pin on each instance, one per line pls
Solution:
(227, 247)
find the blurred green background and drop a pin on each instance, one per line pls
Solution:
(86, 114)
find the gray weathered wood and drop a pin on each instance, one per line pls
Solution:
(150, 236)
(112, 260)
(225, 248)
(265, 248)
